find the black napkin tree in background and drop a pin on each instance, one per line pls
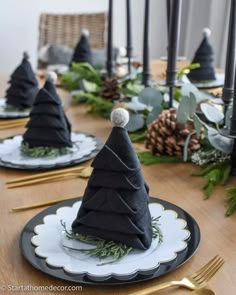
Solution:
(23, 86)
(48, 125)
(82, 52)
(205, 57)
(115, 202)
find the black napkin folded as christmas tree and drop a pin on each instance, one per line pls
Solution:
(115, 202)
(205, 57)
(48, 125)
(82, 52)
(23, 86)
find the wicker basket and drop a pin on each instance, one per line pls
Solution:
(66, 28)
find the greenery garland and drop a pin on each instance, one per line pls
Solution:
(109, 249)
(215, 164)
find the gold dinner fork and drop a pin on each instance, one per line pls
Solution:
(197, 280)
(84, 173)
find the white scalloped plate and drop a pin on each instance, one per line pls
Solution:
(11, 155)
(50, 241)
(4, 114)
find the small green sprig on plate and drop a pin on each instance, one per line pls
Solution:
(47, 152)
(108, 249)
(11, 108)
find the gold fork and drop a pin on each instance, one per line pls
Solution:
(84, 173)
(197, 280)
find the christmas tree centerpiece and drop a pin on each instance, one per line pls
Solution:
(48, 130)
(115, 202)
(204, 56)
(23, 86)
(82, 52)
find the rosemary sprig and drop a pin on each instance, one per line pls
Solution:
(97, 105)
(137, 137)
(38, 152)
(231, 198)
(214, 173)
(11, 108)
(148, 158)
(104, 249)
(156, 232)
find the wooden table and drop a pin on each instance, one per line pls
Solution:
(171, 182)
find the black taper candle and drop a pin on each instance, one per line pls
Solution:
(168, 14)
(173, 46)
(228, 89)
(129, 35)
(232, 131)
(109, 62)
(146, 67)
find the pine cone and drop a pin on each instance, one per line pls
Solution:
(166, 135)
(110, 89)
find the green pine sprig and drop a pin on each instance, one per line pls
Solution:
(11, 108)
(137, 137)
(109, 249)
(41, 152)
(231, 199)
(97, 105)
(214, 174)
(147, 158)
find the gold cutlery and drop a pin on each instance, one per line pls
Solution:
(13, 123)
(43, 174)
(202, 291)
(194, 281)
(38, 205)
(85, 172)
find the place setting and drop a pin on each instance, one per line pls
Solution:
(20, 95)
(160, 240)
(48, 141)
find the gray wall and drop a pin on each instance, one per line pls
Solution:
(196, 15)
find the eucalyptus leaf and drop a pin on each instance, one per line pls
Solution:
(186, 144)
(153, 114)
(197, 125)
(219, 142)
(87, 86)
(199, 95)
(136, 122)
(134, 88)
(135, 105)
(151, 97)
(186, 108)
(212, 113)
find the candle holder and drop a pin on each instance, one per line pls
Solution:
(228, 89)
(231, 134)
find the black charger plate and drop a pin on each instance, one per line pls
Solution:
(28, 250)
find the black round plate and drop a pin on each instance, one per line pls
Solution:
(28, 250)
(99, 145)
